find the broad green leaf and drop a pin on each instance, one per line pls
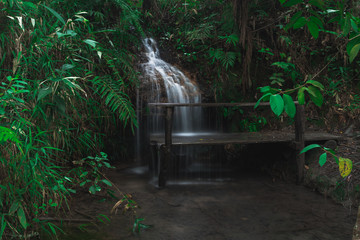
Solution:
(258, 102)
(58, 16)
(90, 42)
(290, 108)
(354, 25)
(317, 3)
(291, 3)
(317, 21)
(106, 182)
(317, 97)
(43, 92)
(301, 96)
(277, 104)
(282, 1)
(22, 217)
(265, 89)
(316, 84)
(293, 20)
(354, 52)
(92, 189)
(300, 23)
(345, 166)
(354, 41)
(322, 159)
(347, 25)
(309, 147)
(14, 207)
(313, 29)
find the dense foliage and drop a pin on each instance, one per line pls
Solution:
(68, 77)
(66, 72)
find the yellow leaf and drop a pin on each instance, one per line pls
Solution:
(345, 166)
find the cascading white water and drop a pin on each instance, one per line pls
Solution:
(162, 82)
(169, 84)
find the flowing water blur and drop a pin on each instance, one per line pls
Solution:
(163, 82)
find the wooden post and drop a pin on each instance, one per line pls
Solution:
(166, 149)
(300, 141)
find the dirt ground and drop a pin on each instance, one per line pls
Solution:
(250, 207)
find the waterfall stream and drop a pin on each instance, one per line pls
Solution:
(162, 82)
(166, 83)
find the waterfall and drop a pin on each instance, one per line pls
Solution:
(162, 82)
(166, 83)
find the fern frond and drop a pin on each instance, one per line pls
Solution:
(116, 100)
(202, 32)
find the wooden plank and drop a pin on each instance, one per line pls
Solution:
(218, 138)
(247, 104)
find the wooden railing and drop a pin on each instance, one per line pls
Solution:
(299, 142)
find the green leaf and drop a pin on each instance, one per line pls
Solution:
(322, 159)
(43, 92)
(293, 20)
(3, 225)
(90, 42)
(316, 84)
(277, 104)
(301, 96)
(106, 182)
(264, 96)
(290, 108)
(309, 147)
(317, 21)
(317, 3)
(92, 189)
(313, 29)
(316, 96)
(354, 52)
(265, 89)
(291, 3)
(22, 217)
(60, 18)
(300, 23)
(14, 207)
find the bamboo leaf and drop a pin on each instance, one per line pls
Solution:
(22, 217)
(90, 42)
(43, 92)
(57, 15)
(309, 147)
(106, 182)
(3, 225)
